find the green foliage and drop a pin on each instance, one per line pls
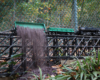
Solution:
(5, 6)
(52, 13)
(36, 77)
(37, 12)
(87, 69)
(3, 65)
(16, 55)
(88, 13)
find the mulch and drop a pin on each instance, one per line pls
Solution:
(46, 70)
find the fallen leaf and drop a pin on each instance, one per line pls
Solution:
(57, 66)
(59, 71)
(49, 8)
(60, 65)
(77, 68)
(73, 73)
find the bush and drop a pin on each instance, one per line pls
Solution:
(87, 69)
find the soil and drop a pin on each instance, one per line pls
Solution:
(46, 70)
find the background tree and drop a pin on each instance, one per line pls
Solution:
(6, 5)
(54, 13)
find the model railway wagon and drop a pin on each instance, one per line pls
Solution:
(59, 31)
(90, 31)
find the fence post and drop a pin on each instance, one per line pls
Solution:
(10, 53)
(74, 15)
(24, 55)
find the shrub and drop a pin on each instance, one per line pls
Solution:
(87, 69)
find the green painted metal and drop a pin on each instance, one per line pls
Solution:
(56, 29)
(30, 25)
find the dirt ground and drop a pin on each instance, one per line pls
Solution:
(46, 70)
